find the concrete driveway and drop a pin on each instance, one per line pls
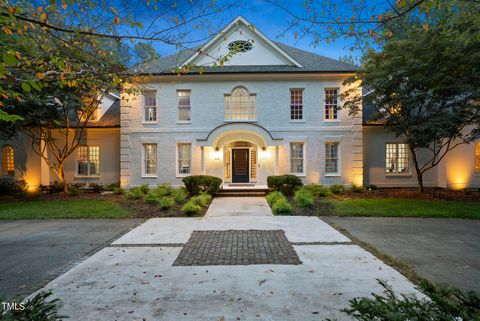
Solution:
(441, 250)
(33, 252)
(213, 268)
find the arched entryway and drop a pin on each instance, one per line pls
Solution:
(240, 162)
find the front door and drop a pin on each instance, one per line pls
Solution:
(240, 168)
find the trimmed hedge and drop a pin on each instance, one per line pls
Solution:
(287, 184)
(197, 184)
(279, 203)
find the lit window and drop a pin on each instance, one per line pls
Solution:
(240, 105)
(331, 158)
(477, 157)
(296, 158)
(331, 103)
(396, 158)
(150, 106)
(8, 161)
(150, 159)
(184, 158)
(296, 104)
(88, 161)
(183, 97)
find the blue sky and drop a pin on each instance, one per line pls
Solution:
(272, 20)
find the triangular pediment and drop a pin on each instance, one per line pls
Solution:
(256, 49)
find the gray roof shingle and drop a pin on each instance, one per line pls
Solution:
(311, 63)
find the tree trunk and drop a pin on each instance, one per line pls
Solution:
(417, 169)
(61, 175)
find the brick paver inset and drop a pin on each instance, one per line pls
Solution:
(237, 247)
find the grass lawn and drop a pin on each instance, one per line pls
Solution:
(79, 208)
(406, 208)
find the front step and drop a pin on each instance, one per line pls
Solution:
(240, 192)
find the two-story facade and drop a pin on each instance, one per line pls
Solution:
(270, 109)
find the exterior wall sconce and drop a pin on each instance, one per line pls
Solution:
(216, 154)
(263, 153)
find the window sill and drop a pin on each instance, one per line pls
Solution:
(149, 122)
(299, 174)
(297, 121)
(87, 176)
(183, 122)
(241, 121)
(183, 175)
(333, 175)
(398, 175)
(149, 176)
(331, 120)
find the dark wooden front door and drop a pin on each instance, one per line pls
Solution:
(240, 170)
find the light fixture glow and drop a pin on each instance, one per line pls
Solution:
(216, 154)
(263, 153)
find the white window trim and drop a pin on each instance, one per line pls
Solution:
(326, 120)
(302, 120)
(406, 174)
(147, 122)
(177, 174)
(250, 95)
(304, 173)
(145, 175)
(339, 159)
(88, 156)
(178, 120)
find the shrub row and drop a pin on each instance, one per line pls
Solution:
(197, 184)
(279, 203)
(196, 203)
(163, 195)
(286, 184)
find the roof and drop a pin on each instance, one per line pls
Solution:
(110, 119)
(311, 63)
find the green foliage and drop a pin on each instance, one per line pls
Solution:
(152, 197)
(166, 202)
(287, 184)
(53, 188)
(304, 197)
(74, 190)
(202, 184)
(40, 308)
(190, 208)
(111, 187)
(372, 187)
(179, 195)
(442, 303)
(135, 193)
(282, 206)
(336, 188)
(12, 187)
(202, 199)
(163, 190)
(144, 188)
(96, 187)
(318, 190)
(356, 189)
(118, 190)
(272, 197)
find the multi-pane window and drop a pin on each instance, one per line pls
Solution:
(184, 158)
(296, 158)
(331, 103)
(150, 159)
(150, 106)
(331, 158)
(88, 161)
(296, 104)
(477, 157)
(396, 158)
(183, 98)
(8, 161)
(240, 105)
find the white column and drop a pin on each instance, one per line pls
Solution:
(202, 160)
(276, 160)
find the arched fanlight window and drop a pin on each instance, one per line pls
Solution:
(8, 161)
(240, 105)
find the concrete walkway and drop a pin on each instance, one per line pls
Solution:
(135, 279)
(239, 206)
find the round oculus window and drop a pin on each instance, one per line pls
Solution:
(240, 46)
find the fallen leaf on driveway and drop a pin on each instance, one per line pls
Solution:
(261, 282)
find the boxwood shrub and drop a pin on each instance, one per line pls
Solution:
(304, 197)
(197, 184)
(282, 206)
(287, 184)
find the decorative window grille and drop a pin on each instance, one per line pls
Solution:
(331, 103)
(150, 106)
(184, 158)
(88, 161)
(8, 161)
(240, 105)
(183, 98)
(296, 104)
(396, 158)
(150, 159)
(296, 158)
(331, 158)
(477, 157)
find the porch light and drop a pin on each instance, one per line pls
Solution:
(263, 153)
(216, 154)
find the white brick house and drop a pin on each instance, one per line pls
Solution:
(270, 110)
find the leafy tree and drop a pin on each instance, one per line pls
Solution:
(424, 83)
